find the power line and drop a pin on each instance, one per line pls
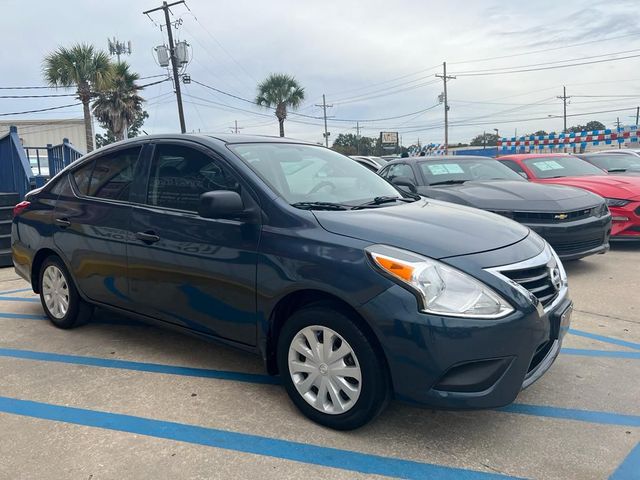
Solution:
(41, 109)
(499, 121)
(40, 96)
(545, 50)
(556, 61)
(311, 116)
(371, 96)
(388, 81)
(27, 88)
(472, 74)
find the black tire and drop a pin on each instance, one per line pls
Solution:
(79, 312)
(375, 386)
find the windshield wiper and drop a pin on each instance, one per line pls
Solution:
(448, 182)
(381, 200)
(614, 170)
(319, 206)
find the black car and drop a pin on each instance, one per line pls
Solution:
(614, 163)
(354, 292)
(575, 222)
(372, 163)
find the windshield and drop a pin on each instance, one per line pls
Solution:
(556, 167)
(306, 173)
(450, 171)
(615, 161)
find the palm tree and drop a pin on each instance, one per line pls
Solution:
(280, 91)
(118, 106)
(83, 67)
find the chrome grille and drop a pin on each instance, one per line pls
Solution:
(536, 280)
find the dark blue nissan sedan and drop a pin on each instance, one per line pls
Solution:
(353, 291)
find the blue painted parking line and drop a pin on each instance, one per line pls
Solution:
(20, 290)
(139, 366)
(600, 353)
(629, 469)
(589, 416)
(23, 316)
(20, 299)
(602, 338)
(102, 321)
(242, 442)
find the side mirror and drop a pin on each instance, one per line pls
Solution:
(221, 204)
(405, 182)
(523, 175)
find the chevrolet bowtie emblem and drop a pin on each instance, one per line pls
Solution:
(560, 216)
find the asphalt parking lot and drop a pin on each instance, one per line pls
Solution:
(117, 399)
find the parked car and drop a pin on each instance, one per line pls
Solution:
(372, 163)
(576, 223)
(614, 163)
(622, 193)
(354, 292)
(634, 152)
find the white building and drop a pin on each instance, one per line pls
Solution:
(38, 133)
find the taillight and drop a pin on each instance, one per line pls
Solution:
(19, 208)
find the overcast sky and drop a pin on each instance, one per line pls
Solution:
(373, 59)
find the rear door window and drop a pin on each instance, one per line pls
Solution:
(109, 176)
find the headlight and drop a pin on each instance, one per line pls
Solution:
(443, 290)
(602, 210)
(616, 202)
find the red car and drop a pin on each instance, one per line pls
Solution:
(621, 193)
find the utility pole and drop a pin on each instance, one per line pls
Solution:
(484, 140)
(637, 115)
(357, 137)
(618, 123)
(324, 113)
(172, 53)
(564, 99)
(236, 128)
(444, 78)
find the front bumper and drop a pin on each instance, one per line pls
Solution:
(576, 239)
(626, 221)
(462, 363)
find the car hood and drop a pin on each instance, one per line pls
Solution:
(610, 186)
(509, 195)
(431, 228)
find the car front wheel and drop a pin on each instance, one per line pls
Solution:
(330, 369)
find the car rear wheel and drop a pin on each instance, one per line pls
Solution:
(59, 296)
(330, 369)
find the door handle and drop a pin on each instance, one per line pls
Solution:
(148, 237)
(63, 222)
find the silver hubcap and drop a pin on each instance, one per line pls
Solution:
(55, 291)
(325, 370)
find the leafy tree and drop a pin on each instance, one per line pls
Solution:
(134, 130)
(488, 139)
(84, 68)
(119, 105)
(590, 126)
(541, 132)
(347, 144)
(280, 91)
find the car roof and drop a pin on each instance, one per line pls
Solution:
(524, 156)
(230, 138)
(434, 158)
